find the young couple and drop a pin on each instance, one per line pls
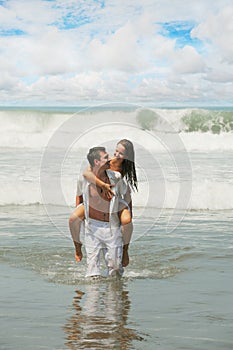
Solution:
(103, 200)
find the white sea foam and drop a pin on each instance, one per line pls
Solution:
(208, 194)
(34, 129)
(160, 183)
(204, 142)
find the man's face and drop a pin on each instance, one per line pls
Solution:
(103, 162)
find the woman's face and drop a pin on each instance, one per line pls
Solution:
(119, 152)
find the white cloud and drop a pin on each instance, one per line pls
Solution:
(120, 52)
(218, 31)
(8, 18)
(28, 16)
(220, 76)
(75, 51)
(188, 61)
(84, 86)
(7, 82)
(52, 53)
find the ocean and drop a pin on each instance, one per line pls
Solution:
(177, 291)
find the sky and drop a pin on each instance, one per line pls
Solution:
(160, 52)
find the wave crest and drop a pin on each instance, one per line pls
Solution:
(33, 129)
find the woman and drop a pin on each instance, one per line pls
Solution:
(122, 162)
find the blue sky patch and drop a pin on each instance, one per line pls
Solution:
(101, 3)
(29, 79)
(181, 32)
(71, 21)
(11, 32)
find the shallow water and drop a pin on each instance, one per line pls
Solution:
(177, 291)
(175, 294)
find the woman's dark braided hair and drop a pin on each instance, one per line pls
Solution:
(128, 165)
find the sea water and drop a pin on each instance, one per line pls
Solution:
(176, 292)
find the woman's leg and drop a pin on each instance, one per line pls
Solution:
(127, 230)
(75, 220)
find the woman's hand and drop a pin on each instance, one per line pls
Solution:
(107, 188)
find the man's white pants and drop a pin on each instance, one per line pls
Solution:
(99, 236)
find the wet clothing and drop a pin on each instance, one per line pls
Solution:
(101, 235)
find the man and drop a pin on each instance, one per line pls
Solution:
(102, 225)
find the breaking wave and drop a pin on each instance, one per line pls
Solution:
(199, 129)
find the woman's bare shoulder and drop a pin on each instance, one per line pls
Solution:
(115, 165)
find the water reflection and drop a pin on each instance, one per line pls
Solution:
(100, 318)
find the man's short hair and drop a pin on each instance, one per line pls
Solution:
(94, 153)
